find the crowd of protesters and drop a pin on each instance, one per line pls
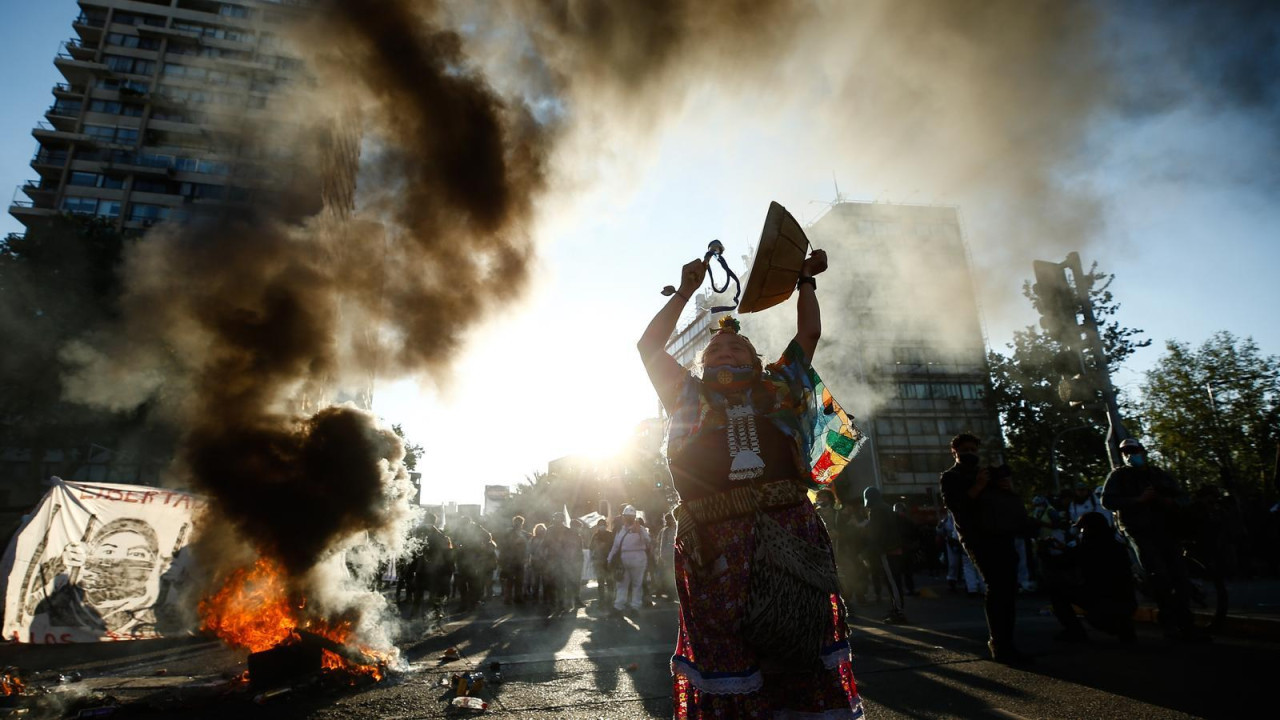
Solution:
(1080, 549)
(546, 566)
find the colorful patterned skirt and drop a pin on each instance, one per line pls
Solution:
(715, 674)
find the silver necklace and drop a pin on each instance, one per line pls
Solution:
(744, 444)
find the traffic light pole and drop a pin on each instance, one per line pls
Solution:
(1116, 431)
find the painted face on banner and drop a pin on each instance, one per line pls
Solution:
(119, 567)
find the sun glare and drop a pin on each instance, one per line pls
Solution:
(506, 416)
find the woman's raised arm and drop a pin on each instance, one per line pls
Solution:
(664, 371)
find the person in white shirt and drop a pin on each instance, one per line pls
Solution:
(1083, 501)
(631, 546)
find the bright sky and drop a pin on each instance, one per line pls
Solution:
(1194, 254)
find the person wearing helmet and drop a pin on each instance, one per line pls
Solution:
(1144, 499)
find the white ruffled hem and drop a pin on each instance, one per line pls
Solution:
(740, 685)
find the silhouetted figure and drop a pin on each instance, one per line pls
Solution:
(989, 517)
(1145, 500)
(1094, 573)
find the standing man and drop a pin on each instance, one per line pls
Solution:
(601, 544)
(631, 546)
(884, 540)
(988, 517)
(1145, 499)
(513, 547)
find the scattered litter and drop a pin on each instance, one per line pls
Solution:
(98, 712)
(162, 672)
(265, 696)
(451, 654)
(469, 703)
(633, 667)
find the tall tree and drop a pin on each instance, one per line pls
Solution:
(1213, 412)
(1025, 393)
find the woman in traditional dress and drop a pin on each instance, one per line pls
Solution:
(762, 624)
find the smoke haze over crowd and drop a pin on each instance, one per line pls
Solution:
(477, 120)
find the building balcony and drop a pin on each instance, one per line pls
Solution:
(49, 163)
(40, 191)
(89, 28)
(27, 211)
(66, 90)
(44, 131)
(63, 117)
(80, 50)
(78, 72)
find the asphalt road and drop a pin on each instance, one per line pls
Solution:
(587, 666)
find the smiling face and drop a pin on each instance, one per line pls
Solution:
(729, 349)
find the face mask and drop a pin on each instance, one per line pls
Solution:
(728, 377)
(1134, 460)
(967, 459)
(112, 580)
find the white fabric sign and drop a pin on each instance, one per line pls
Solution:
(99, 562)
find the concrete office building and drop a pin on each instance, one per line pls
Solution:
(903, 343)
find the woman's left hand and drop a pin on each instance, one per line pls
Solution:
(815, 264)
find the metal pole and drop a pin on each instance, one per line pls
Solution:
(1053, 455)
(1116, 431)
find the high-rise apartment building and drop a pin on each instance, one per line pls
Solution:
(155, 120)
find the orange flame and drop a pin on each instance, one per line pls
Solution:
(252, 610)
(11, 684)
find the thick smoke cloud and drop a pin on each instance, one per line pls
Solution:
(240, 329)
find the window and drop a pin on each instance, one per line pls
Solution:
(109, 107)
(124, 18)
(151, 186)
(114, 182)
(212, 167)
(203, 191)
(132, 41)
(108, 208)
(233, 11)
(913, 391)
(146, 212)
(84, 179)
(123, 64)
(102, 132)
(80, 205)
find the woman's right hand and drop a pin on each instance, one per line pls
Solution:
(73, 556)
(691, 277)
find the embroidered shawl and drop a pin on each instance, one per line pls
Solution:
(794, 398)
